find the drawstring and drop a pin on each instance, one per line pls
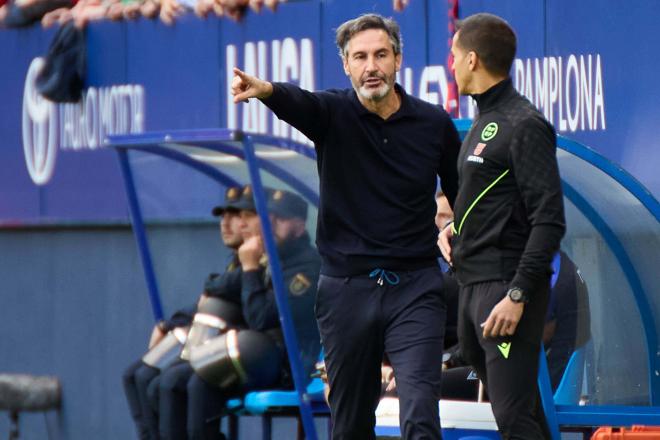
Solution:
(391, 277)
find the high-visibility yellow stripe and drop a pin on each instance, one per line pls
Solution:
(483, 193)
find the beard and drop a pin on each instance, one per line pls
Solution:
(374, 94)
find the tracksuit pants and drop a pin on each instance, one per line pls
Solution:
(508, 366)
(360, 319)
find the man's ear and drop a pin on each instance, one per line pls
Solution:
(345, 64)
(473, 60)
(398, 59)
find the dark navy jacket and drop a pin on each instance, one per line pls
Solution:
(377, 177)
(300, 267)
(226, 285)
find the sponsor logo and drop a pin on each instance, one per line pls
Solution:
(476, 159)
(569, 90)
(479, 148)
(48, 127)
(489, 131)
(504, 348)
(39, 126)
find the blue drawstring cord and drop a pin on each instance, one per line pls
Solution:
(391, 277)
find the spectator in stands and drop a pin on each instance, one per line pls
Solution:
(170, 10)
(399, 5)
(202, 397)
(57, 16)
(81, 13)
(20, 13)
(139, 375)
(3, 10)
(124, 9)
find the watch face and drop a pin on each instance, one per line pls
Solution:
(516, 295)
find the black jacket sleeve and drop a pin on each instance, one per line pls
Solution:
(305, 110)
(534, 165)
(259, 305)
(226, 286)
(448, 172)
(180, 318)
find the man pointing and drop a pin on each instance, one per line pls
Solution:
(379, 152)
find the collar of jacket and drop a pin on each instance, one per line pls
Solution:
(293, 246)
(234, 262)
(492, 97)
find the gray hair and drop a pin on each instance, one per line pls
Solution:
(364, 22)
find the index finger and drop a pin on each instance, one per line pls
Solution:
(240, 73)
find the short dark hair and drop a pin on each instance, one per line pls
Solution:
(491, 38)
(364, 22)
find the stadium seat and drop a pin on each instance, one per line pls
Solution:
(259, 402)
(269, 403)
(570, 388)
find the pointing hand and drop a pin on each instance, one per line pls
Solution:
(244, 87)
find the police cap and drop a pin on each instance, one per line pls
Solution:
(286, 204)
(232, 196)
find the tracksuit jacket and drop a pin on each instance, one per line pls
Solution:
(509, 212)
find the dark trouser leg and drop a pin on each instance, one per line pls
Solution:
(150, 407)
(205, 405)
(470, 347)
(143, 379)
(512, 362)
(513, 392)
(347, 311)
(460, 383)
(415, 313)
(173, 401)
(133, 383)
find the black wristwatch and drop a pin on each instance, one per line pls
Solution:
(517, 295)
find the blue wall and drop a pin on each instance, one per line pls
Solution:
(74, 305)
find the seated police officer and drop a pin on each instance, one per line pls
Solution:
(168, 336)
(251, 358)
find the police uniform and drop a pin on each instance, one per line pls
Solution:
(141, 380)
(169, 393)
(300, 265)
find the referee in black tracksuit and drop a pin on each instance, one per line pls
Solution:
(379, 152)
(509, 220)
